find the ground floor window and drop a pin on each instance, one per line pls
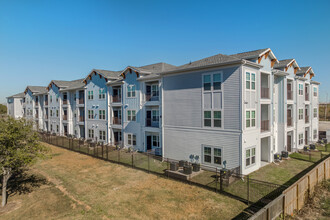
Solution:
(315, 112)
(301, 139)
(57, 128)
(102, 136)
(155, 141)
(131, 139)
(212, 155)
(314, 134)
(90, 133)
(250, 156)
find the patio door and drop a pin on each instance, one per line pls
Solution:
(289, 141)
(149, 146)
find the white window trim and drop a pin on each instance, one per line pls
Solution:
(131, 91)
(299, 114)
(255, 118)
(212, 155)
(132, 138)
(102, 114)
(131, 110)
(300, 90)
(302, 142)
(255, 155)
(255, 80)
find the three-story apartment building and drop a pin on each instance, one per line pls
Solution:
(225, 111)
(15, 105)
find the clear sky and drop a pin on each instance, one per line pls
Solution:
(64, 40)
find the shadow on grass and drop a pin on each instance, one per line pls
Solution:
(255, 207)
(23, 182)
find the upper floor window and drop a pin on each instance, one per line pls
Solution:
(90, 95)
(250, 119)
(131, 115)
(102, 94)
(91, 114)
(102, 135)
(315, 112)
(250, 81)
(315, 91)
(212, 81)
(56, 113)
(301, 89)
(57, 98)
(301, 114)
(102, 114)
(212, 118)
(131, 91)
(155, 115)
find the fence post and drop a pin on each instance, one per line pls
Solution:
(88, 148)
(62, 141)
(216, 179)
(221, 181)
(107, 152)
(284, 207)
(102, 151)
(78, 145)
(132, 159)
(248, 189)
(119, 155)
(148, 162)
(310, 156)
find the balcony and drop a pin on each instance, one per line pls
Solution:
(264, 93)
(290, 95)
(264, 125)
(289, 122)
(81, 100)
(46, 102)
(37, 104)
(65, 102)
(150, 123)
(116, 121)
(81, 118)
(151, 98)
(306, 97)
(65, 117)
(306, 119)
(36, 116)
(46, 117)
(116, 98)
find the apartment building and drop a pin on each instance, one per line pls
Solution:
(225, 111)
(15, 105)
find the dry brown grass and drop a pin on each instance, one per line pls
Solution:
(82, 187)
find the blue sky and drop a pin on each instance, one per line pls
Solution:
(45, 40)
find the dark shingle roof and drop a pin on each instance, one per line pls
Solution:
(156, 67)
(250, 54)
(37, 89)
(303, 70)
(78, 83)
(283, 63)
(18, 95)
(107, 73)
(216, 59)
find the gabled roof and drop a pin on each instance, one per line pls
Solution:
(106, 74)
(286, 64)
(36, 89)
(306, 70)
(18, 95)
(155, 68)
(61, 84)
(257, 54)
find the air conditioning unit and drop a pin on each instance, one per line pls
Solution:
(277, 157)
(174, 166)
(285, 154)
(306, 148)
(312, 146)
(187, 169)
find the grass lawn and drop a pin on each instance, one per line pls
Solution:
(82, 187)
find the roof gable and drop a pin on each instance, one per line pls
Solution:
(106, 74)
(258, 55)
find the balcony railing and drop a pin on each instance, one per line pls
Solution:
(289, 121)
(116, 121)
(36, 116)
(81, 118)
(46, 102)
(65, 102)
(150, 97)
(116, 98)
(46, 116)
(65, 117)
(81, 101)
(306, 118)
(307, 97)
(264, 93)
(264, 125)
(290, 95)
(150, 123)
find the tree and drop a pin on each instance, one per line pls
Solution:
(19, 148)
(3, 109)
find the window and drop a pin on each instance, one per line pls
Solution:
(56, 113)
(131, 139)
(91, 114)
(250, 156)
(207, 155)
(56, 98)
(301, 114)
(51, 127)
(301, 89)
(90, 133)
(207, 119)
(315, 112)
(301, 139)
(102, 94)
(51, 99)
(155, 141)
(102, 135)
(51, 113)
(57, 128)
(212, 155)
(250, 81)
(207, 82)
(90, 95)
(217, 119)
(315, 91)
(314, 134)
(131, 91)
(155, 115)
(154, 90)
(102, 114)
(250, 119)
(131, 115)
(212, 82)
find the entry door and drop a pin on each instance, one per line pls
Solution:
(149, 147)
(306, 134)
(148, 122)
(289, 139)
